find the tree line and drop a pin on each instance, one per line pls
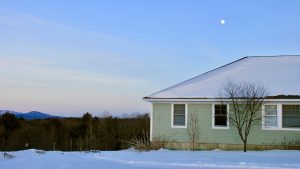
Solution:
(71, 134)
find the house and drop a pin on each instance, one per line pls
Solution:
(171, 107)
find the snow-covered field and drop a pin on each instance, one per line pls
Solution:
(130, 159)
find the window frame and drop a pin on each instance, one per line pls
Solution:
(282, 117)
(278, 107)
(185, 114)
(279, 117)
(213, 117)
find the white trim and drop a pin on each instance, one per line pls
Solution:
(263, 114)
(279, 118)
(282, 129)
(210, 100)
(213, 117)
(181, 100)
(151, 122)
(172, 115)
(279, 108)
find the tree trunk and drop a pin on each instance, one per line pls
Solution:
(71, 144)
(4, 145)
(245, 146)
(87, 143)
(53, 146)
(80, 147)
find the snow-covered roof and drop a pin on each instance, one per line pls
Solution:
(279, 74)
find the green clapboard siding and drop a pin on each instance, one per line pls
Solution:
(162, 128)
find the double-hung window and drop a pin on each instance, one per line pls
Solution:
(290, 116)
(270, 116)
(281, 117)
(179, 115)
(220, 119)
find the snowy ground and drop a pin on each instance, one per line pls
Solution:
(130, 159)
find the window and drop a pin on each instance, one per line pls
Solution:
(281, 117)
(179, 115)
(220, 115)
(270, 116)
(290, 116)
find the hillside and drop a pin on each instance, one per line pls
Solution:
(32, 115)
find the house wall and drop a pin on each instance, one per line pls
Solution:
(162, 130)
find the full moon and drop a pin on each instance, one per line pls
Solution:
(222, 21)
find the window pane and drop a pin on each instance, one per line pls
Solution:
(221, 115)
(179, 109)
(220, 121)
(270, 121)
(290, 116)
(179, 120)
(221, 109)
(291, 121)
(291, 110)
(270, 110)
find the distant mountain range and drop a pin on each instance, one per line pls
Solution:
(30, 115)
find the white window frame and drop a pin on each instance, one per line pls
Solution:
(279, 117)
(278, 106)
(213, 117)
(172, 116)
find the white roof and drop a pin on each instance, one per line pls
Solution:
(279, 74)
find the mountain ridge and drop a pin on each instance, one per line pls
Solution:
(32, 115)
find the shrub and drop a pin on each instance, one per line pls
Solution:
(141, 143)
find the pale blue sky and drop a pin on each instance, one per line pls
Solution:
(66, 58)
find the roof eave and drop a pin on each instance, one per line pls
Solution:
(148, 99)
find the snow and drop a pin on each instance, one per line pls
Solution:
(130, 159)
(280, 74)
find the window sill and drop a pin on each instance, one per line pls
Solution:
(180, 127)
(282, 129)
(217, 127)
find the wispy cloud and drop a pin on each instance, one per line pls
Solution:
(19, 20)
(63, 45)
(47, 64)
(41, 67)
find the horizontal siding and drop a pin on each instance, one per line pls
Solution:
(162, 124)
(162, 128)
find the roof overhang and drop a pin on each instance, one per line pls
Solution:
(208, 100)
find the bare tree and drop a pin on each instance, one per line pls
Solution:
(245, 101)
(193, 129)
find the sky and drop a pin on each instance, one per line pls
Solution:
(68, 57)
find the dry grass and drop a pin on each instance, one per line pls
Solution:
(285, 145)
(142, 144)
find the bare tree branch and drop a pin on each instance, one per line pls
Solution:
(245, 100)
(193, 129)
